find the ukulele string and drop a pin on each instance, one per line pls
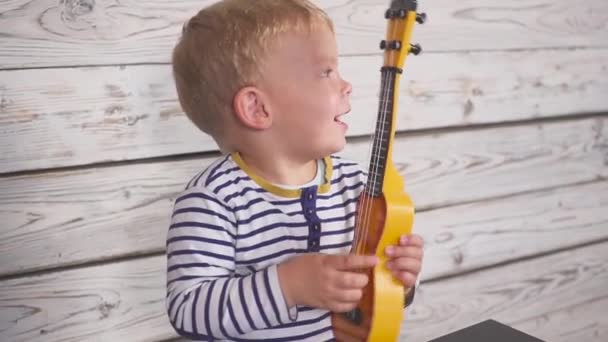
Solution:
(363, 208)
(377, 150)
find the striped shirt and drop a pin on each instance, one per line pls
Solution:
(230, 229)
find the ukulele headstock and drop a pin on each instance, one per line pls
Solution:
(401, 17)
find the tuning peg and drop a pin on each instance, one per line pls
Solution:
(421, 18)
(415, 49)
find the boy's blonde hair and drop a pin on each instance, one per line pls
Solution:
(222, 50)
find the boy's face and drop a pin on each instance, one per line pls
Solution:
(307, 94)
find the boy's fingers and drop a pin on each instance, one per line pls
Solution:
(349, 296)
(412, 240)
(405, 264)
(342, 306)
(404, 251)
(351, 261)
(352, 280)
(408, 279)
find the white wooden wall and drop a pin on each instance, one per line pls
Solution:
(503, 144)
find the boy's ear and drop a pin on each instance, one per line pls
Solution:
(250, 108)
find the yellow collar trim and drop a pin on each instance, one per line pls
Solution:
(277, 190)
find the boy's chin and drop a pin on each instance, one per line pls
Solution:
(326, 148)
(336, 147)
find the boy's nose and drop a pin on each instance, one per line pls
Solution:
(347, 88)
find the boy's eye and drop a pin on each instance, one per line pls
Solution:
(327, 72)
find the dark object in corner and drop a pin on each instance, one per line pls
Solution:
(485, 331)
(409, 297)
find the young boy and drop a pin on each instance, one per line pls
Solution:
(258, 247)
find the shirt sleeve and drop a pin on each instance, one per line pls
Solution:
(205, 298)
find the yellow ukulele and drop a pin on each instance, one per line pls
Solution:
(385, 211)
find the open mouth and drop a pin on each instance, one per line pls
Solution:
(339, 121)
(338, 117)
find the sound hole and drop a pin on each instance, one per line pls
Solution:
(355, 316)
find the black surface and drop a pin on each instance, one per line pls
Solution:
(485, 331)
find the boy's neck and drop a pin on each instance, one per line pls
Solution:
(280, 170)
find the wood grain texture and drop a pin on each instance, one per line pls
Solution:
(115, 302)
(470, 236)
(88, 115)
(65, 218)
(125, 301)
(558, 298)
(87, 32)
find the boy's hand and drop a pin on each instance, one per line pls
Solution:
(325, 281)
(406, 259)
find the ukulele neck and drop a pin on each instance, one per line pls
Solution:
(384, 133)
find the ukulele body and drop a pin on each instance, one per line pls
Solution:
(380, 312)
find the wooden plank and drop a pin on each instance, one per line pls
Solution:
(124, 210)
(115, 302)
(46, 33)
(558, 298)
(479, 234)
(88, 115)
